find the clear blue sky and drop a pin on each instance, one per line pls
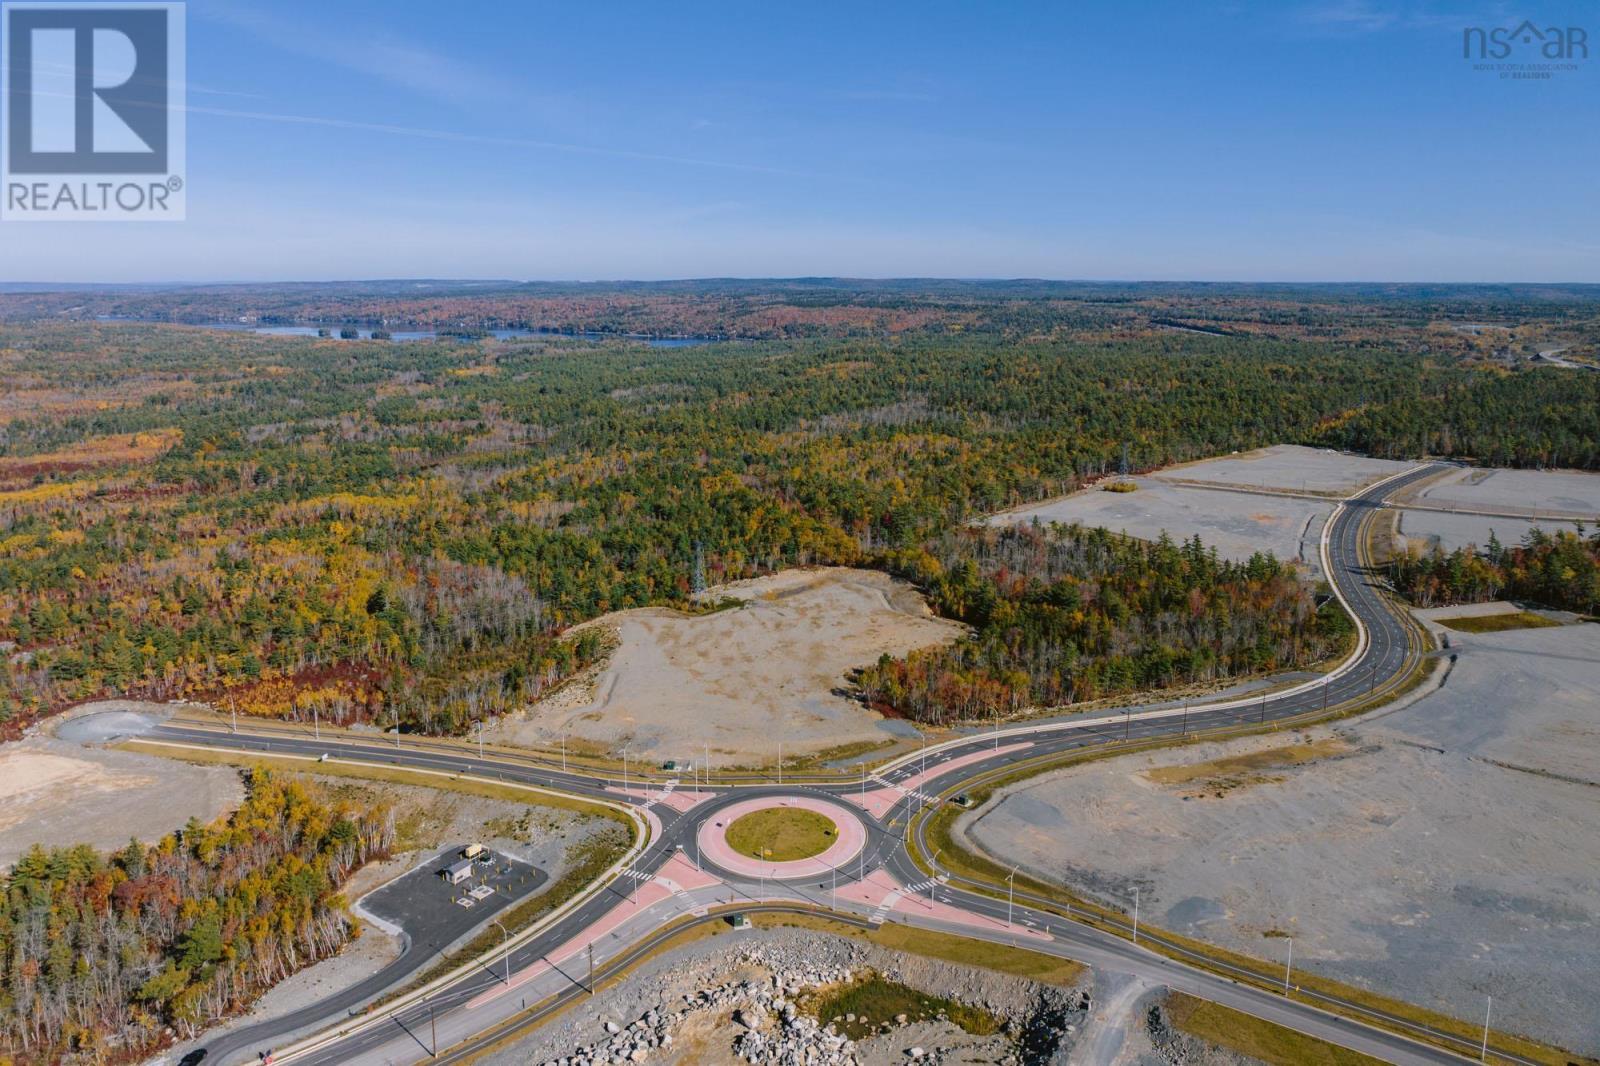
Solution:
(1325, 140)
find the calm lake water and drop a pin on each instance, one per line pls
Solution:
(365, 333)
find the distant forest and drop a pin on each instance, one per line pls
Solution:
(402, 533)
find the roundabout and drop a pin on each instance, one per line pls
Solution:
(781, 837)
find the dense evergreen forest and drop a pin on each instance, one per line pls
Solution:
(1065, 614)
(402, 532)
(1560, 570)
(100, 954)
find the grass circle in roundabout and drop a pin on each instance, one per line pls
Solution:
(782, 834)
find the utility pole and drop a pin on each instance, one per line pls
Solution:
(1288, 967)
(234, 707)
(1325, 695)
(1483, 1048)
(1127, 724)
(1263, 706)
(316, 727)
(480, 740)
(1185, 716)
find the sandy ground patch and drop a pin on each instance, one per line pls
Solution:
(1290, 468)
(1427, 530)
(54, 792)
(1236, 524)
(1449, 849)
(1531, 492)
(742, 679)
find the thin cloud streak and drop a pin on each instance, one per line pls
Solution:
(507, 142)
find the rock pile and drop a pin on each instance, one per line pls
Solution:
(773, 1031)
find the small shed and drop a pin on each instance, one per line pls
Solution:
(457, 871)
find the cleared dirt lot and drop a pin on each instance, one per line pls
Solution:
(1541, 493)
(55, 792)
(1290, 468)
(1430, 529)
(1265, 500)
(742, 679)
(1237, 524)
(1436, 853)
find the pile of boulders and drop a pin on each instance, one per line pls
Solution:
(773, 1030)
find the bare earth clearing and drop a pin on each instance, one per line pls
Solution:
(55, 792)
(1237, 504)
(1506, 503)
(743, 679)
(1434, 853)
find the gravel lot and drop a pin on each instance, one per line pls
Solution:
(1448, 852)
(1540, 492)
(56, 791)
(1290, 468)
(1430, 529)
(740, 680)
(1237, 524)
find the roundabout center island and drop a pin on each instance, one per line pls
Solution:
(781, 837)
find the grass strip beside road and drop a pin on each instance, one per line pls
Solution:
(1497, 623)
(946, 947)
(1249, 1035)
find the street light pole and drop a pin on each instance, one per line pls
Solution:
(1135, 914)
(1288, 967)
(505, 938)
(1483, 1048)
(624, 767)
(1011, 895)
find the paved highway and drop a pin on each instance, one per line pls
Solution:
(667, 882)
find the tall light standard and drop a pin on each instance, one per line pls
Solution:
(933, 876)
(1288, 966)
(624, 767)
(505, 939)
(1011, 894)
(1483, 1048)
(1135, 914)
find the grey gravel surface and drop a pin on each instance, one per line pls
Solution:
(1449, 853)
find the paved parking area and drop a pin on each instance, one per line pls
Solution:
(427, 908)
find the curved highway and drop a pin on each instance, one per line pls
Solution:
(667, 883)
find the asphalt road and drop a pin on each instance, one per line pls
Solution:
(444, 1019)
